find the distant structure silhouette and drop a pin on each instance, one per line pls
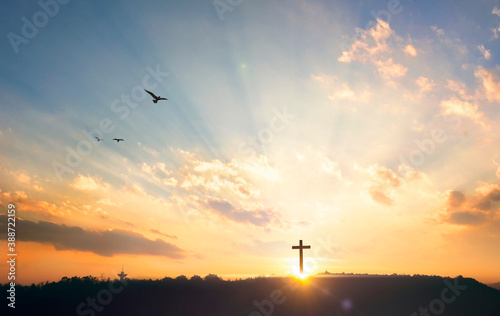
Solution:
(301, 247)
(155, 98)
(122, 275)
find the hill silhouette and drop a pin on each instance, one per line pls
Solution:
(320, 295)
(495, 285)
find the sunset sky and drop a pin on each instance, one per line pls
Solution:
(368, 129)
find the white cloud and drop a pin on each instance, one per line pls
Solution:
(455, 106)
(439, 32)
(495, 31)
(88, 183)
(344, 92)
(496, 11)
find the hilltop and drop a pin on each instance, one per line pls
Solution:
(326, 295)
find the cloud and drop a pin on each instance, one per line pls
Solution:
(487, 202)
(467, 218)
(410, 50)
(439, 32)
(20, 195)
(345, 92)
(227, 210)
(225, 179)
(162, 234)
(21, 177)
(425, 84)
(88, 183)
(383, 182)
(372, 46)
(216, 166)
(380, 197)
(106, 201)
(485, 52)
(101, 213)
(384, 175)
(496, 11)
(460, 88)
(475, 210)
(454, 106)
(160, 173)
(388, 69)
(150, 151)
(105, 243)
(455, 199)
(495, 31)
(453, 43)
(491, 84)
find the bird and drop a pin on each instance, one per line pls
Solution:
(98, 139)
(155, 98)
(118, 140)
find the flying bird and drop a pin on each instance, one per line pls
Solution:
(155, 98)
(98, 139)
(118, 140)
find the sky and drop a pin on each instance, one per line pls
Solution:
(367, 129)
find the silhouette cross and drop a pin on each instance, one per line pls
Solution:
(301, 247)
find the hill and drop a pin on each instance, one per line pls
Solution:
(332, 295)
(495, 285)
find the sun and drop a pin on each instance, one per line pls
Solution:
(296, 273)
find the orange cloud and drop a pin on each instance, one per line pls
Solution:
(473, 211)
(410, 50)
(425, 84)
(455, 199)
(373, 47)
(491, 84)
(382, 183)
(381, 197)
(388, 69)
(21, 177)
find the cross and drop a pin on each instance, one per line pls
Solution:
(301, 247)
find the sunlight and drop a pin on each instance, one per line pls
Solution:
(296, 272)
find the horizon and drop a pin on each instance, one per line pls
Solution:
(303, 279)
(367, 129)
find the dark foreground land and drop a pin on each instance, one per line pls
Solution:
(334, 295)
